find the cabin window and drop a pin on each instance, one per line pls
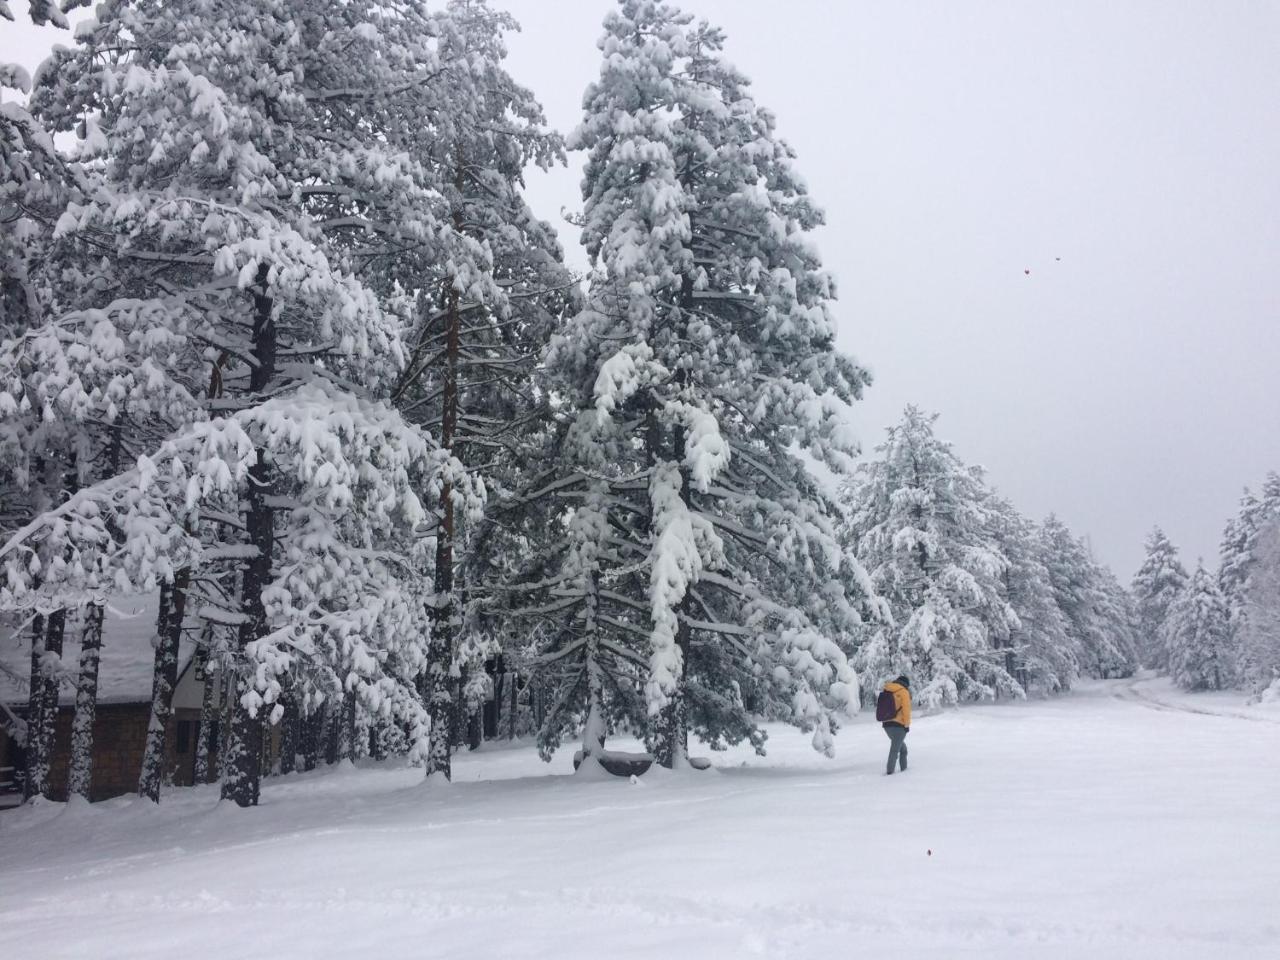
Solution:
(184, 736)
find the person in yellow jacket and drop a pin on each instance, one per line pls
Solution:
(898, 728)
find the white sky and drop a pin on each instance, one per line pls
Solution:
(954, 146)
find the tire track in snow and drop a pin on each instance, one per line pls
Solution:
(1131, 694)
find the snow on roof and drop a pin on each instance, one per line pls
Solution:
(125, 666)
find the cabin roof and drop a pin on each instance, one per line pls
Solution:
(125, 666)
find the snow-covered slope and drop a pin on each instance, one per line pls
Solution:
(1111, 823)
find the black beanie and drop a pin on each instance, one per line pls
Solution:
(905, 681)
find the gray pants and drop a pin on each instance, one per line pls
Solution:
(897, 746)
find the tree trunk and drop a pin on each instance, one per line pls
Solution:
(265, 765)
(54, 634)
(226, 693)
(311, 739)
(80, 779)
(594, 730)
(173, 604)
(475, 726)
(46, 665)
(440, 650)
(332, 733)
(80, 776)
(493, 720)
(673, 719)
(209, 706)
(40, 727)
(244, 749)
(350, 734)
(515, 704)
(289, 733)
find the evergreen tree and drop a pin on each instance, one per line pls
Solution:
(1155, 586)
(1099, 613)
(1116, 648)
(589, 628)
(1038, 650)
(1238, 563)
(1236, 552)
(1197, 635)
(923, 524)
(705, 359)
(36, 182)
(487, 304)
(242, 153)
(1258, 636)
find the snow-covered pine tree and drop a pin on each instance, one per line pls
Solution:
(69, 378)
(590, 631)
(66, 382)
(1118, 655)
(1257, 638)
(921, 522)
(1038, 651)
(708, 343)
(238, 149)
(486, 306)
(345, 606)
(579, 589)
(66, 378)
(1198, 635)
(1238, 561)
(1099, 612)
(34, 180)
(27, 157)
(1236, 552)
(1155, 586)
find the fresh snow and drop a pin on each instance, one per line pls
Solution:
(1124, 820)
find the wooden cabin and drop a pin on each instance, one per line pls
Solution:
(125, 672)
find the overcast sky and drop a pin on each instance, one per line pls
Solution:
(1134, 380)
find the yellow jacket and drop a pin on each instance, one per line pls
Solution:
(902, 698)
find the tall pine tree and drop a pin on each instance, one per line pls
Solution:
(243, 153)
(1238, 562)
(706, 360)
(1257, 636)
(1197, 635)
(486, 305)
(1038, 651)
(1155, 586)
(922, 522)
(1099, 612)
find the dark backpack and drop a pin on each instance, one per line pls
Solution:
(886, 707)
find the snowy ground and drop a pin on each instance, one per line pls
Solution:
(1127, 820)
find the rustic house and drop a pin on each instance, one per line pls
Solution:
(125, 672)
(124, 705)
